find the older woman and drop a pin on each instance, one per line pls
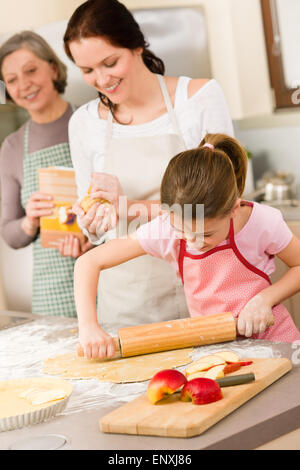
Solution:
(123, 142)
(35, 78)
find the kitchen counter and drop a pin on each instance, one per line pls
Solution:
(268, 416)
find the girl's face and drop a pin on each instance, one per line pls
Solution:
(29, 80)
(203, 235)
(214, 232)
(110, 69)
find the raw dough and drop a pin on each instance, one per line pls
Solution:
(21, 396)
(131, 369)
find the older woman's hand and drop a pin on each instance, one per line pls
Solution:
(71, 247)
(39, 205)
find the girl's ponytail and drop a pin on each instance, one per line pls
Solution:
(234, 151)
(212, 174)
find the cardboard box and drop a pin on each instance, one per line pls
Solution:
(60, 183)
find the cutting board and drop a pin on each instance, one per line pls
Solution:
(172, 418)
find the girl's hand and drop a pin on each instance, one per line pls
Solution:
(95, 342)
(254, 317)
(71, 246)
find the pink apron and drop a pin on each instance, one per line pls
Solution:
(222, 280)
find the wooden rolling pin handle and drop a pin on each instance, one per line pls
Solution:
(80, 351)
(271, 321)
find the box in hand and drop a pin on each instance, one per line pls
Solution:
(60, 183)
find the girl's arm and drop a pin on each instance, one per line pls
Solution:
(289, 284)
(255, 315)
(94, 341)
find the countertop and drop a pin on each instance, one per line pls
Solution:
(269, 415)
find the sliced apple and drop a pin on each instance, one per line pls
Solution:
(196, 375)
(201, 391)
(165, 382)
(228, 356)
(204, 363)
(216, 372)
(197, 367)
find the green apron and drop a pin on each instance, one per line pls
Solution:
(52, 283)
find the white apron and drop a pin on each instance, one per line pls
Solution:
(145, 289)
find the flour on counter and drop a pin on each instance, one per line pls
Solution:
(23, 350)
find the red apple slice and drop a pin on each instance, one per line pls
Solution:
(201, 391)
(164, 382)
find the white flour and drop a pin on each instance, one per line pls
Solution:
(24, 348)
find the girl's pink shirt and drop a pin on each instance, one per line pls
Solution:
(265, 234)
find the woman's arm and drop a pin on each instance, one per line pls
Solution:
(14, 228)
(94, 341)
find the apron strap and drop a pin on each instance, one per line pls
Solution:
(181, 257)
(109, 128)
(26, 139)
(231, 233)
(170, 110)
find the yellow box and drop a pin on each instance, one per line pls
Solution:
(60, 183)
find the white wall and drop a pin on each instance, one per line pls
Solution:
(18, 14)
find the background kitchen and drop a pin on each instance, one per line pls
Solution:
(251, 47)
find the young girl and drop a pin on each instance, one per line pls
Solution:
(226, 267)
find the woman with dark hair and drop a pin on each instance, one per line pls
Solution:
(122, 142)
(35, 78)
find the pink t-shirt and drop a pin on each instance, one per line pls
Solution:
(264, 234)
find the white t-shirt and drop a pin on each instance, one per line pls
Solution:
(205, 111)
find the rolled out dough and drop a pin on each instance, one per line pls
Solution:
(124, 370)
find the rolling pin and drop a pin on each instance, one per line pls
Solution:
(174, 334)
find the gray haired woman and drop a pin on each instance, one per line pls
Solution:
(35, 78)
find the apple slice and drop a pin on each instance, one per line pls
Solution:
(196, 375)
(201, 391)
(197, 367)
(166, 381)
(216, 372)
(228, 356)
(204, 363)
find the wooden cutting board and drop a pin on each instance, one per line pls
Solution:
(172, 418)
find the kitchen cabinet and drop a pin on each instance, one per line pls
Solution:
(293, 303)
(237, 50)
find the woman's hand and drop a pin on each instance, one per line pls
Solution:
(254, 317)
(99, 219)
(71, 246)
(39, 205)
(95, 342)
(108, 187)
